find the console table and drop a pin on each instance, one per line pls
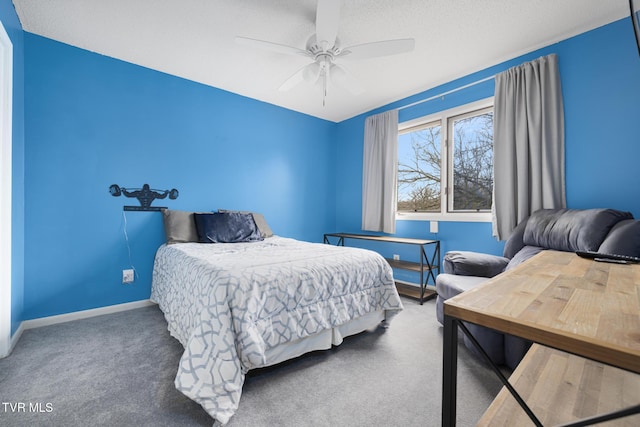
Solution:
(586, 308)
(427, 267)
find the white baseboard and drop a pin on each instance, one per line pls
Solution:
(15, 337)
(84, 314)
(61, 318)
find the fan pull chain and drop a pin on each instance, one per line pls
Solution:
(324, 87)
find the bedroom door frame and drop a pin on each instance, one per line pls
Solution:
(6, 113)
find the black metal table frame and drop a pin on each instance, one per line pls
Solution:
(424, 258)
(449, 380)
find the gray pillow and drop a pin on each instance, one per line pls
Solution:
(624, 239)
(263, 227)
(179, 226)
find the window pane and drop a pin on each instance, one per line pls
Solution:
(419, 169)
(472, 162)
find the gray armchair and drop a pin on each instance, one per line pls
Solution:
(603, 230)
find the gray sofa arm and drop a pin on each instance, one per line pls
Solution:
(464, 263)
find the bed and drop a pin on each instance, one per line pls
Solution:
(253, 303)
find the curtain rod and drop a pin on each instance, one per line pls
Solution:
(446, 93)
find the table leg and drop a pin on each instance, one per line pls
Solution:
(449, 371)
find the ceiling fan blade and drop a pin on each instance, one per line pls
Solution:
(305, 73)
(271, 47)
(344, 79)
(377, 49)
(327, 22)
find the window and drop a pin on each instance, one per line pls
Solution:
(445, 165)
(419, 167)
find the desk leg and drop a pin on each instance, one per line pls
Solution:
(449, 371)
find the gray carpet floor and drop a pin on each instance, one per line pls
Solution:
(118, 370)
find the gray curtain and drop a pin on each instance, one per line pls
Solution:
(528, 143)
(379, 172)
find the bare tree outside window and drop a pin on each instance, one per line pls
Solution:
(469, 184)
(419, 169)
(473, 162)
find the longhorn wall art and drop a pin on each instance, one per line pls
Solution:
(145, 196)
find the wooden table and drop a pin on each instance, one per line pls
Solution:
(583, 307)
(560, 387)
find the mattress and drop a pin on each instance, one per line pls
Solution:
(240, 306)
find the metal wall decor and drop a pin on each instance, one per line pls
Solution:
(145, 196)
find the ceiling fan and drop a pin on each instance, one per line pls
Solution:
(324, 49)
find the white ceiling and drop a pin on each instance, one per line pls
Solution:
(194, 39)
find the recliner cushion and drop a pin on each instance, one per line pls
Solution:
(514, 243)
(492, 343)
(571, 230)
(514, 350)
(524, 254)
(450, 285)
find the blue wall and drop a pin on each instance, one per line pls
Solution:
(600, 72)
(93, 121)
(12, 25)
(601, 85)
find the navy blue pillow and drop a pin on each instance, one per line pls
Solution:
(227, 227)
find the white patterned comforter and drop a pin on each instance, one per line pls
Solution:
(228, 303)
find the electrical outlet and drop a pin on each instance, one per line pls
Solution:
(396, 257)
(433, 226)
(127, 276)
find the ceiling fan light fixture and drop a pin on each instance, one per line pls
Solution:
(311, 73)
(325, 49)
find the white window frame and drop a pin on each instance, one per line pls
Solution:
(446, 191)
